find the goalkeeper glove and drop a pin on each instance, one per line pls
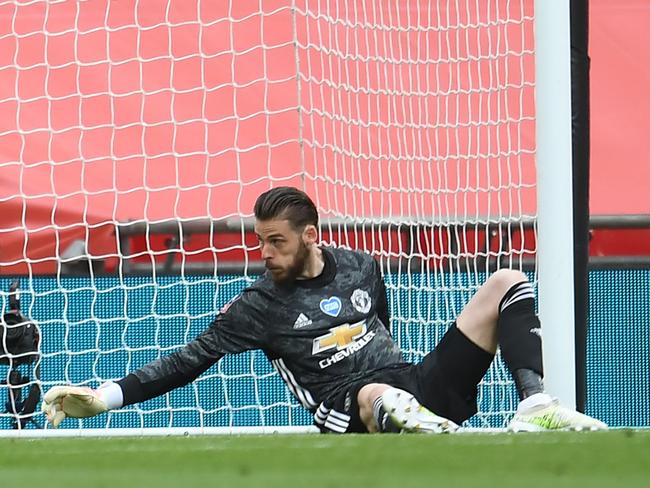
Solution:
(79, 401)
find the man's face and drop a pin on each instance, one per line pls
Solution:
(284, 249)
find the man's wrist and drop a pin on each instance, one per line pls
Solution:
(111, 394)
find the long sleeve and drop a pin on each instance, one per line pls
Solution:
(170, 372)
(234, 330)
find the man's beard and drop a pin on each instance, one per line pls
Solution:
(296, 269)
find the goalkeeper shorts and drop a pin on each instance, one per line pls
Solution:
(445, 382)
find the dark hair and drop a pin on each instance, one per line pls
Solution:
(286, 202)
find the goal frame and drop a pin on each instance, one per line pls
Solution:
(555, 226)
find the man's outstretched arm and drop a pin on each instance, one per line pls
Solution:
(232, 332)
(156, 378)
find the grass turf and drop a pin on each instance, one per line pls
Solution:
(310, 461)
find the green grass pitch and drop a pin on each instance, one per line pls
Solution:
(615, 458)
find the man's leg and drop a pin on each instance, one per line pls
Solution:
(503, 312)
(368, 398)
(478, 323)
(384, 408)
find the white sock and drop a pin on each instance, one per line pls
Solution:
(533, 401)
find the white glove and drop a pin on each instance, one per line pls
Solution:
(76, 402)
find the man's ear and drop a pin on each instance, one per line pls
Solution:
(310, 234)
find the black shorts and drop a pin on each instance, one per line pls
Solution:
(445, 382)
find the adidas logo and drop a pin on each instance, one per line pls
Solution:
(302, 321)
(537, 331)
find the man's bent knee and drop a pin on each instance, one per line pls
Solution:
(503, 279)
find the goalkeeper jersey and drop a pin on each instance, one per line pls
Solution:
(321, 334)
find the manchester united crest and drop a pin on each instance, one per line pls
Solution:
(361, 300)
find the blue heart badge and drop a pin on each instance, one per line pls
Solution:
(331, 306)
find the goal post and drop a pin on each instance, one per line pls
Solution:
(555, 250)
(136, 136)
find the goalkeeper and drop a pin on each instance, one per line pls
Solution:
(321, 317)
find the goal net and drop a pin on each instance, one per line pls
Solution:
(136, 135)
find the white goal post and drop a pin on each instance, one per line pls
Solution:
(555, 197)
(135, 136)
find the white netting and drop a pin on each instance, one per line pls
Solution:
(411, 124)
